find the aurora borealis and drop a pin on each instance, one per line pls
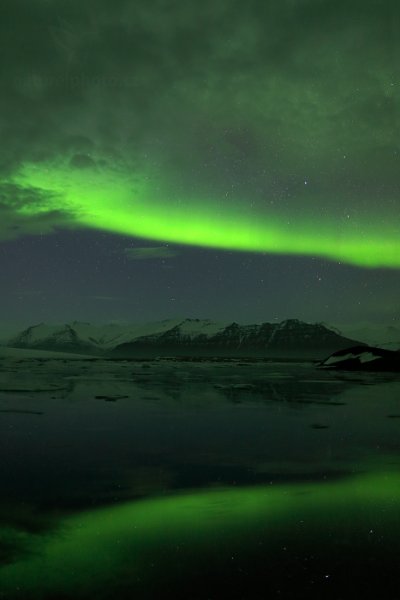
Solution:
(255, 141)
(116, 203)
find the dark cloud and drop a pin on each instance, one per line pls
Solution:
(82, 161)
(157, 252)
(161, 78)
(26, 211)
(251, 94)
(237, 101)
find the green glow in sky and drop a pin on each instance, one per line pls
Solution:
(143, 206)
(137, 541)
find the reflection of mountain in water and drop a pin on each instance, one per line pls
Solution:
(179, 380)
(80, 432)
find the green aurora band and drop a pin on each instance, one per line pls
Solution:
(122, 203)
(135, 543)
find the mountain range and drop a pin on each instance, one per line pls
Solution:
(188, 337)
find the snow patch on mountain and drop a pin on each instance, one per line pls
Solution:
(362, 357)
(195, 327)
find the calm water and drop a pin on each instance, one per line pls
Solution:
(231, 479)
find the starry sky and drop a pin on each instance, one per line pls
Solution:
(218, 159)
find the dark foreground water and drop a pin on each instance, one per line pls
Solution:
(197, 480)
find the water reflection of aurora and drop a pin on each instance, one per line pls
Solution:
(311, 532)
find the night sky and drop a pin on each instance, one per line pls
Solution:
(218, 159)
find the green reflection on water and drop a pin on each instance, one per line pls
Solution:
(132, 545)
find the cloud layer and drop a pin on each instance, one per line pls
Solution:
(285, 111)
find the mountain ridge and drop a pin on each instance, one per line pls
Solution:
(180, 337)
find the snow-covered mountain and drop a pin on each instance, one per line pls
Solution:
(99, 339)
(75, 337)
(291, 338)
(196, 337)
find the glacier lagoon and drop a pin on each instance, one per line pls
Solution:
(197, 479)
